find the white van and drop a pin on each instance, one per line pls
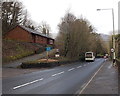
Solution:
(89, 56)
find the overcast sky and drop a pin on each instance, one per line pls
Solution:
(52, 11)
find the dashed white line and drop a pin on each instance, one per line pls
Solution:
(71, 69)
(27, 83)
(58, 73)
(79, 66)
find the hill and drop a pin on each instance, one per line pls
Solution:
(105, 37)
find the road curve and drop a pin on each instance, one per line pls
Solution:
(67, 79)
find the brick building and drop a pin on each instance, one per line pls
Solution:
(22, 33)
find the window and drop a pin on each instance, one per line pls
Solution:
(51, 41)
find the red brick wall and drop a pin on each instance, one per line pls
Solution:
(41, 40)
(19, 34)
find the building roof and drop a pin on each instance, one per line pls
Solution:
(34, 31)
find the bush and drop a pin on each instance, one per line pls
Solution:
(118, 62)
(99, 56)
(19, 50)
(44, 64)
(12, 58)
(82, 58)
(35, 64)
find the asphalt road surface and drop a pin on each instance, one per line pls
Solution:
(67, 79)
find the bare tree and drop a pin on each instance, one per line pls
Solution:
(76, 36)
(64, 28)
(12, 15)
(44, 28)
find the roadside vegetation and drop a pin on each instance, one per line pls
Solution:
(117, 38)
(13, 50)
(77, 36)
(46, 63)
(13, 14)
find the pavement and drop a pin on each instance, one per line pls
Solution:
(104, 82)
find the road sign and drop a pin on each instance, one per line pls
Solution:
(57, 50)
(112, 50)
(48, 48)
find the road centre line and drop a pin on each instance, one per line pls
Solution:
(27, 83)
(71, 69)
(79, 66)
(90, 80)
(58, 73)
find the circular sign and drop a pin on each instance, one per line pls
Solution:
(112, 50)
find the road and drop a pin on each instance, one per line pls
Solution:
(66, 79)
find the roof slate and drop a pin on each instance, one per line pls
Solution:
(34, 32)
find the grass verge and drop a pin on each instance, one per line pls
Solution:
(18, 56)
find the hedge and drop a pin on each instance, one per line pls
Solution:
(44, 64)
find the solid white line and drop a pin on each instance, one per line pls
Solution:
(58, 73)
(79, 90)
(71, 69)
(79, 66)
(90, 80)
(83, 85)
(27, 83)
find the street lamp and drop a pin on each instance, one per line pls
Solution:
(113, 32)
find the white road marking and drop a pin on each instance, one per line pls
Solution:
(79, 89)
(84, 65)
(83, 85)
(58, 73)
(79, 66)
(27, 83)
(90, 80)
(71, 69)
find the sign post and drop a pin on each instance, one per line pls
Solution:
(48, 49)
(112, 50)
(47, 56)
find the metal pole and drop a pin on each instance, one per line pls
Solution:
(114, 55)
(47, 56)
(113, 38)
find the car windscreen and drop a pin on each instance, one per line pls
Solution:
(88, 55)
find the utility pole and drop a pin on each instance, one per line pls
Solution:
(114, 55)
